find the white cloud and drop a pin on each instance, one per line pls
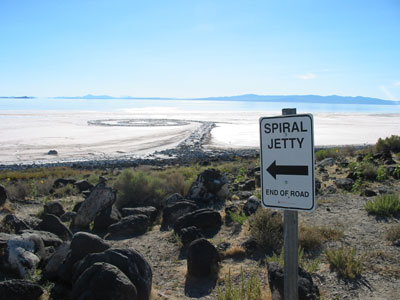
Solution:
(306, 76)
(397, 83)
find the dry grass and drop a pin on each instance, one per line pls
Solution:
(393, 233)
(235, 252)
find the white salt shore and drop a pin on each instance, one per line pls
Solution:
(28, 136)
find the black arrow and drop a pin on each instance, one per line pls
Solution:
(274, 170)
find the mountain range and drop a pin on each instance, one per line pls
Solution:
(333, 99)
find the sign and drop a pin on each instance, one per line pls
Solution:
(287, 162)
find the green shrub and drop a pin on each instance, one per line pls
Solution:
(311, 238)
(382, 173)
(364, 170)
(388, 144)
(247, 290)
(266, 227)
(384, 206)
(344, 262)
(138, 189)
(325, 153)
(238, 218)
(393, 233)
(309, 265)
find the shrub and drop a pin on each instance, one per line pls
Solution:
(238, 218)
(384, 206)
(266, 227)
(311, 238)
(174, 181)
(344, 262)
(382, 173)
(393, 233)
(325, 153)
(247, 290)
(309, 265)
(364, 170)
(388, 144)
(138, 189)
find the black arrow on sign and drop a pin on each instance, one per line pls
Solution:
(274, 170)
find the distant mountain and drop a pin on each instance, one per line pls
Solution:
(17, 97)
(333, 99)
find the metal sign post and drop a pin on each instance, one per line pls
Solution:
(287, 179)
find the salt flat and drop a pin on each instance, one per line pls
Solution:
(27, 136)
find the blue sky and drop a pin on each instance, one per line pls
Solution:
(200, 48)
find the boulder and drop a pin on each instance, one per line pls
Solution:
(129, 226)
(149, 211)
(3, 195)
(257, 178)
(103, 281)
(129, 261)
(52, 152)
(68, 216)
(329, 161)
(19, 290)
(202, 259)
(54, 225)
(176, 210)
(173, 199)
(204, 219)
(77, 206)
(11, 223)
(63, 181)
(54, 208)
(23, 253)
(107, 216)
(209, 186)
(49, 239)
(189, 234)
(344, 183)
(307, 290)
(100, 198)
(50, 271)
(368, 193)
(248, 185)
(251, 206)
(84, 243)
(83, 185)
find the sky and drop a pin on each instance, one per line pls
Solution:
(200, 48)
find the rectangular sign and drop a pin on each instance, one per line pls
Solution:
(287, 162)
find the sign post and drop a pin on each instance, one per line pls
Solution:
(287, 179)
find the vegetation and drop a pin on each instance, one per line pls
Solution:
(247, 290)
(309, 265)
(388, 144)
(311, 238)
(393, 233)
(266, 227)
(344, 262)
(238, 218)
(384, 206)
(325, 153)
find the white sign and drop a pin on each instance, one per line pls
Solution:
(287, 162)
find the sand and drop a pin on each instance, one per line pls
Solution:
(28, 136)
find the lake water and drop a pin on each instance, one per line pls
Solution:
(185, 105)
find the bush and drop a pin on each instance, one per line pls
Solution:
(247, 290)
(325, 153)
(266, 227)
(382, 173)
(238, 218)
(388, 144)
(364, 170)
(309, 265)
(311, 238)
(393, 233)
(384, 206)
(138, 189)
(344, 262)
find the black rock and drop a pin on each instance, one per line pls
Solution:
(84, 243)
(54, 208)
(107, 216)
(173, 199)
(52, 152)
(368, 193)
(189, 234)
(13, 224)
(83, 185)
(77, 206)
(307, 290)
(344, 183)
(19, 290)
(129, 226)
(175, 210)
(149, 211)
(3, 195)
(48, 238)
(62, 181)
(202, 259)
(51, 269)
(204, 219)
(251, 206)
(103, 281)
(129, 261)
(68, 216)
(54, 225)
(249, 185)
